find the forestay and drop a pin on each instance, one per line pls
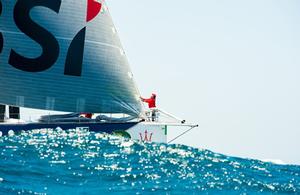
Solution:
(64, 55)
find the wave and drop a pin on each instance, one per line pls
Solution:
(76, 162)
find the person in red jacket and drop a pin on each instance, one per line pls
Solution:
(150, 101)
(151, 104)
(86, 115)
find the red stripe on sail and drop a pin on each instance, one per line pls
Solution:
(93, 9)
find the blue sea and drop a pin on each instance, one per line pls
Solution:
(82, 162)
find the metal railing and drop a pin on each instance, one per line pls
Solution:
(159, 115)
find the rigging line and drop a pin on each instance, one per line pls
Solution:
(182, 134)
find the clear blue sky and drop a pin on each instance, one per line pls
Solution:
(231, 66)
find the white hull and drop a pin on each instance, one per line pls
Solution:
(149, 132)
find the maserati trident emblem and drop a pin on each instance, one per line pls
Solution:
(146, 138)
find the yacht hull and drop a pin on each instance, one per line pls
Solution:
(143, 131)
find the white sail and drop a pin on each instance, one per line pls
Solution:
(64, 55)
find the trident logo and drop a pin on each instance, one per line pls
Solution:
(146, 138)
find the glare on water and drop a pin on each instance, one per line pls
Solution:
(47, 161)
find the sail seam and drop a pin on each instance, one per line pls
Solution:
(70, 39)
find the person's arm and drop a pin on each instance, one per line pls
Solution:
(146, 100)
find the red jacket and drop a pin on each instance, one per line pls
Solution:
(87, 115)
(150, 101)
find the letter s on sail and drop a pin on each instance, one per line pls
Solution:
(1, 36)
(47, 41)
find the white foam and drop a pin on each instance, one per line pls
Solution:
(11, 133)
(274, 161)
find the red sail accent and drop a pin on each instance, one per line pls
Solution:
(93, 9)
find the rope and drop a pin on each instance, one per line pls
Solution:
(182, 134)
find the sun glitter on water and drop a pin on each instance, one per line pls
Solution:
(78, 162)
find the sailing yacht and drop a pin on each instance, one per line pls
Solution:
(65, 55)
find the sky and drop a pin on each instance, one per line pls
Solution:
(230, 66)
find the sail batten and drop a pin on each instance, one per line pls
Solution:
(100, 82)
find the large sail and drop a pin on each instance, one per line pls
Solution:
(64, 55)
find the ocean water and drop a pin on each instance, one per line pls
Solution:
(81, 162)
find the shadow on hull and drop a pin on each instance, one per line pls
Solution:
(95, 127)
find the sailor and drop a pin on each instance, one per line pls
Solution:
(151, 104)
(86, 115)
